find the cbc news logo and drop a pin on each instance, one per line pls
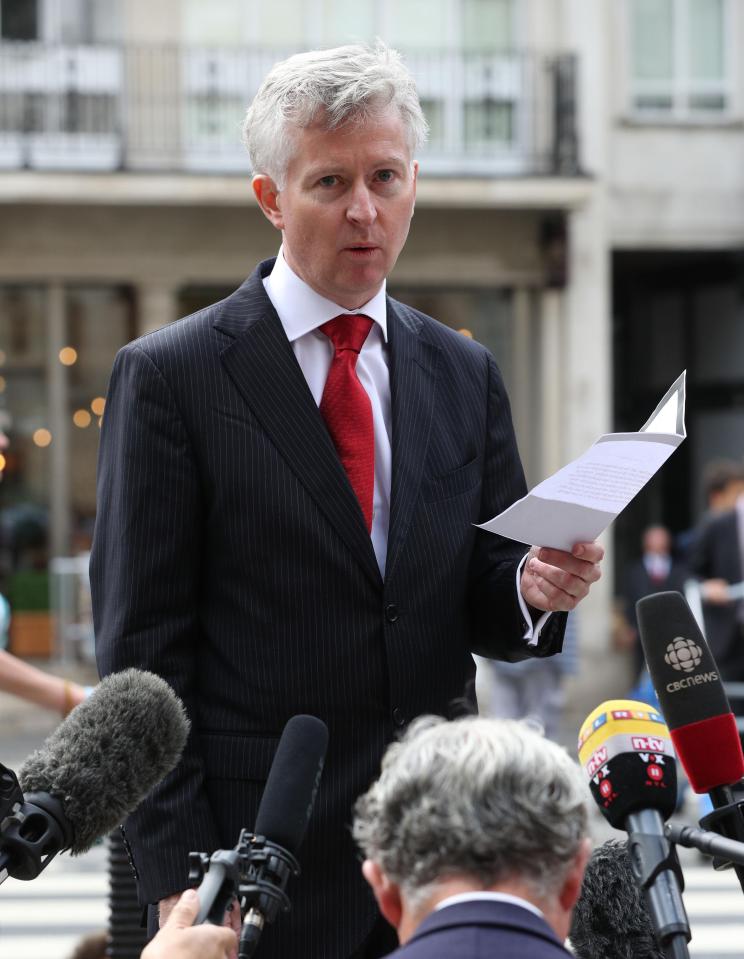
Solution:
(683, 654)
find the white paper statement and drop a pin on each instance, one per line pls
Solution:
(581, 500)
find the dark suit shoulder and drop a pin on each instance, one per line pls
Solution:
(227, 317)
(722, 522)
(480, 930)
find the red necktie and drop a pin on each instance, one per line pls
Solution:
(346, 408)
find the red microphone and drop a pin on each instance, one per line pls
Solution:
(690, 691)
(695, 706)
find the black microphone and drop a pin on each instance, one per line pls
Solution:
(626, 751)
(694, 703)
(259, 867)
(285, 810)
(92, 772)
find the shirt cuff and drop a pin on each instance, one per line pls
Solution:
(532, 630)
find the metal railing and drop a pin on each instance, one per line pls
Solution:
(179, 108)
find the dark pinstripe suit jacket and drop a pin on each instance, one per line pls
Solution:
(231, 557)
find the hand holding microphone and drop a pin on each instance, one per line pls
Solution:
(180, 939)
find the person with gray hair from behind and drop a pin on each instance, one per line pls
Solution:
(289, 482)
(475, 838)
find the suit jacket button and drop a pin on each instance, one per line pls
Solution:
(391, 612)
(398, 718)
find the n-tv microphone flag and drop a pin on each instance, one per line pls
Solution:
(627, 753)
(628, 756)
(690, 690)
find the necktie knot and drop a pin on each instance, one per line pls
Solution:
(347, 331)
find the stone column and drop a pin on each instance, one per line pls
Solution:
(59, 425)
(157, 305)
(522, 387)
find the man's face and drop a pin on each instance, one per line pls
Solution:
(657, 540)
(345, 207)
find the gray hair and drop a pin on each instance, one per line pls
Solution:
(484, 798)
(338, 86)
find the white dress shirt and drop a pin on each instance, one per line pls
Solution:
(301, 311)
(484, 895)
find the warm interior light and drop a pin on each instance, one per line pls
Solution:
(68, 355)
(81, 418)
(466, 332)
(97, 405)
(42, 437)
(3, 462)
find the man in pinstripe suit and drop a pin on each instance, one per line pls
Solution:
(235, 553)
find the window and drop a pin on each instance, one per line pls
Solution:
(487, 25)
(19, 20)
(678, 58)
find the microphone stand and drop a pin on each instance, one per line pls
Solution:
(726, 820)
(708, 842)
(256, 871)
(657, 871)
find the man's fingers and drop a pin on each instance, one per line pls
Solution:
(585, 569)
(555, 579)
(589, 552)
(551, 598)
(569, 574)
(165, 907)
(184, 912)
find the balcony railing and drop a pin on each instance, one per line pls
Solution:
(180, 108)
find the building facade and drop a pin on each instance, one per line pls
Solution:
(579, 211)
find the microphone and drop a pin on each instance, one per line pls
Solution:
(260, 865)
(690, 692)
(92, 772)
(694, 703)
(627, 753)
(285, 810)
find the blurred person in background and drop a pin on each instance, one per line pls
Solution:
(475, 840)
(656, 571)
(36, 686)
(717, 561)
(723, 481)
(25, 681)
(610, 919)
(533, 688)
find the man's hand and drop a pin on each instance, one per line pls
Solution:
(178, 939)
(554, 580)
(716, 591)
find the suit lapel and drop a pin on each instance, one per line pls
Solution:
(261, 364)
(413, 375)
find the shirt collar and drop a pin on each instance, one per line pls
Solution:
(490, 897)
(302, 310)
